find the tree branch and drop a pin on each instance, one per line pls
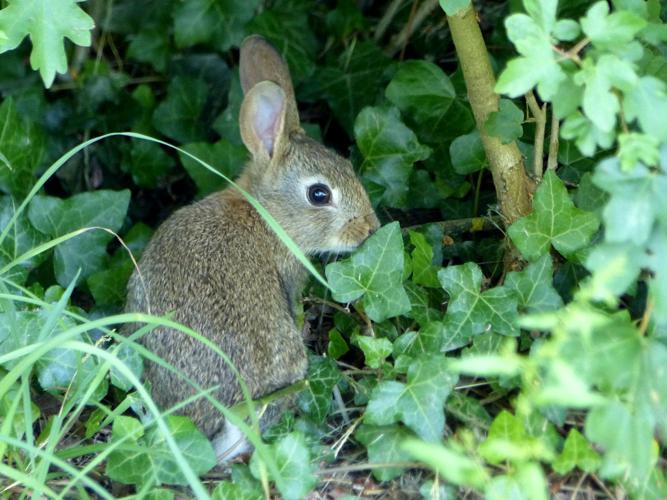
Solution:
(552, 161)
(505, 160)
(540, 115)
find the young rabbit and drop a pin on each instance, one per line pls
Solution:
(218, 268)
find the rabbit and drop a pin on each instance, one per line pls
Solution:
(218, 268)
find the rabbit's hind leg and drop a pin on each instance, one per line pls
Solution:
(230, 443)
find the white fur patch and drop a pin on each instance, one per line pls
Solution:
(230, 443)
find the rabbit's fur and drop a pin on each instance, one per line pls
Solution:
(219, 269)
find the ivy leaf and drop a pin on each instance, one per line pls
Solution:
(505, 124)
(179, 115)
(150, 46)
(471, 312)
(375, 350)
(286, 27)
(21, 238)
(577, 452)
(323, 375)
(423, 271)
(610, 31)
(534, 287)
(48, 23)
(55, 217)
(293, 461)
(418, 403)
(227, 123)
(145, 456)
(351, 84)
(554, 221)
(217, 22)
(423, 92)
(337, 345)
(22, 147)
(227, 158)
(389, 149)
(147, 162)
(375, 274)
(467, 153)
(507, 440)
(383, 445)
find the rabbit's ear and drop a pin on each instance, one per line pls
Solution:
(260, 61)
(262, 120)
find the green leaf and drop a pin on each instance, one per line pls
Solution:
(179, 115)
(543, 12)
(637, 148)
(646, 103)
(227, 123)
(453, 7)
(419, 403)
(389, 149)
(577, 452)
(147, 162)
(227, 158)
(383, 445)
(471, 312)
(453, 465)
(505, 124)
(219, 23)
(243, 486)
(133, 361)
(534, 287)
(352, 83)
(424, 93)
(615, 267)
(375, 350)
(554, 221)
(55, 217)
(286, 27)
(150, 46)
(467, 153)
(507, 440)
(337, 345)
(323, 375)
(375, 274)
(21, 238)
(144, 455)
(48, 23)
(423, 271)
(567, 30)
(610, 31)
(293, 461)
(21, 150)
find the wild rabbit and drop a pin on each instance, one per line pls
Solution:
(218, 268)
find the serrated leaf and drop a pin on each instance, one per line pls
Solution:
(424, 93)
(374, 273)
(467, 153)
(48, 23)
(383, 445)
(179, 115)
(507, 440)
(577, 452)
(566, 30)
(646, 103)
(534, 286)
(323, 375)
(419, 403)
(389, 149)
(505, 124)
(471, 312)
(543, 12)
(554, 221)
(227, 158)
(56, 217)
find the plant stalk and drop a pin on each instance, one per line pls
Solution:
(505, 160)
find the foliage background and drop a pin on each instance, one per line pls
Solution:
(385, 89)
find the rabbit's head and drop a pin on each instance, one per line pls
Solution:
(310, 190)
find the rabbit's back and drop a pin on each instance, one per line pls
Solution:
(218, 269)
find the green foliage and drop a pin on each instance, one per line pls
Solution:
(506, 377)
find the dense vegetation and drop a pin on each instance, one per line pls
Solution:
(504, 333)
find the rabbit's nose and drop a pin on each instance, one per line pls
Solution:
(373, 224)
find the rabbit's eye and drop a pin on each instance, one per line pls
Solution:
(319, 194)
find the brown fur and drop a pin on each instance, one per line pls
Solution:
(219, 269)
